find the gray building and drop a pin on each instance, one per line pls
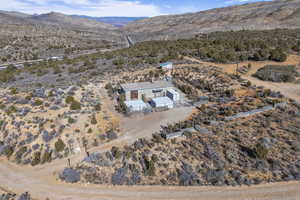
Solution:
(147, 90)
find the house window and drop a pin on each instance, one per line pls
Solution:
(134, 94)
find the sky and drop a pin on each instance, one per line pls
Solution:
(130, 8)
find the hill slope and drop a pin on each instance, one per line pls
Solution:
(253, 16)
(72, 21)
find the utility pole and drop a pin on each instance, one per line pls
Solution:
(69, 162)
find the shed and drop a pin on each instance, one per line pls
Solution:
(160, 102)
(166, 65)
(172, 94)
(172, 135)
(137, 105)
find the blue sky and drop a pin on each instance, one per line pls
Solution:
(131, 8)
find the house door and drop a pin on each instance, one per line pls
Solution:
(134, 94)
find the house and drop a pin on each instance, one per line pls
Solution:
(162, 102)
(166, 65)
(145, 90)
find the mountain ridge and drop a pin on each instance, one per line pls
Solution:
(250, 16)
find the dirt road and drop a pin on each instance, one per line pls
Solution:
(19, 180)
(41, 181)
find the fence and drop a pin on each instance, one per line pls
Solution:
(255, 111)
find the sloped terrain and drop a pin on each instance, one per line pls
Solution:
(253, 16)
(24, 37)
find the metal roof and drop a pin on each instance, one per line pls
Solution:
(136, 103)
(166, 63)
(146, 85)
(162, 101)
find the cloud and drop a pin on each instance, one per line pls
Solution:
(83, 7)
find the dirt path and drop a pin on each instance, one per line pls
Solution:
(291, 90)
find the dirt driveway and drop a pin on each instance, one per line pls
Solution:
(145, 125)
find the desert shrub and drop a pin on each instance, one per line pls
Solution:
(46, 157)
(277, 73)
(9, 151)
(75, 105)
(154, 158)
(69, 99)
(13, 91)
(59, 145)
(149, 166)
(98, 107)
(110, 89)
(260, 151)
(94, 120)
(11, 109)
(71, 120)
(20, 153)
(116, 152)
(36, 158)
(38, 102)
(156, 138)
(121, 107)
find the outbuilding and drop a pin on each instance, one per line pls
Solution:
(166, 65)
(135, 106)
(161, 102)
(173, 95)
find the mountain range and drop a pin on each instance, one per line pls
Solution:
(116, 21)
(253, 16)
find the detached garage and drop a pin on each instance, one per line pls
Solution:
(161, 102)
(135, 106)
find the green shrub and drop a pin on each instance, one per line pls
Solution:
(36, 158)
(150, 166)
(38, 102)
(9, 151)
(75, 105)
(59, 145)
(69, 99)
(98, 107)
(260, 151)
(46, 157)
(13, 91)
(71, 120)
(94, 121)
(116, 152)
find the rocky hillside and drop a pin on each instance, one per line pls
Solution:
(27, 37)
(253, 16)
